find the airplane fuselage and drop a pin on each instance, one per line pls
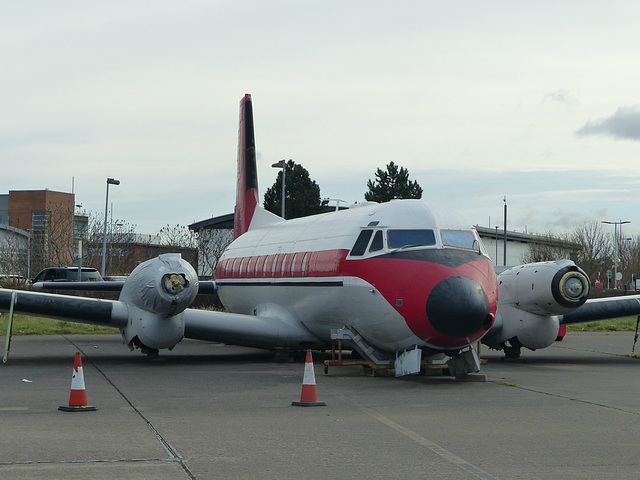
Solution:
(401, 273)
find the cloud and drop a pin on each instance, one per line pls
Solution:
(560, 96)
(624, 123)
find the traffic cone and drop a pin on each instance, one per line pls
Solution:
(309, 395)
(78, 396)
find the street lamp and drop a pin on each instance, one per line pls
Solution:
(110, 181)
(283, 165)
(615, 246)
(496, 244)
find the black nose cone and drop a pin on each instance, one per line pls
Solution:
(458, 307)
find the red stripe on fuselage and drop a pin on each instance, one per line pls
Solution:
(405, 283)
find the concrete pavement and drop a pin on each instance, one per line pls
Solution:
(214, 411)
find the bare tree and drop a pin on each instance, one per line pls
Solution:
(62, 245)
(177, 236)
(124, 245)
(211, 245)
(549, 247)
(52, 237)
(595, 253)
(13, 257)
(629, 258)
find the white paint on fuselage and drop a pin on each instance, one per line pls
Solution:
(356, 303)
(339, 230)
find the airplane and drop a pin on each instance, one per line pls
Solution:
(392, 280)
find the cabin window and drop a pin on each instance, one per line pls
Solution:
(459, 238)
(293, 264)
(284, 261)
(233, 266)
(264, 266)
(240, 267)
(361, 243)
(226, 264)
(304, 264)
(376, 243)
(249, 265)
(410, 238)
(255, 267)
(273, 266)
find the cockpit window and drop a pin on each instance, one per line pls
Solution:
(410, 238)
(376, 243)
(361, 243)
(459, 238)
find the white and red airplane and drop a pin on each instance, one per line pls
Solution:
(391, 278)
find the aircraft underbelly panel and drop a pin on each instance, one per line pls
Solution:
(325, 304)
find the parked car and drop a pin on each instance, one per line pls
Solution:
(68, 274)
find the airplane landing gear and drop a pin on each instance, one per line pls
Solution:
(151, 353)
(512, 349)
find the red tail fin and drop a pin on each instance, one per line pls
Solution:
(247, 181)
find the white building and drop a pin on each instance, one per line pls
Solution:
(518, 245)
(14, 248)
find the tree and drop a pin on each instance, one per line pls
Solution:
(211, 245)
(302, 195)
(177, 236)
(122, 243)
(13, 257)
(629, 258)
(549, 247)
(394, 183)
(594, 254)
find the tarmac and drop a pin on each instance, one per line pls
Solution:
(206, 410)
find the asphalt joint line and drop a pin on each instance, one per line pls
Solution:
(172, 453)
(435, 448)
(634, 356)
(504, 383)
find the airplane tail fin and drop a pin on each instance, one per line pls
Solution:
(247, 180)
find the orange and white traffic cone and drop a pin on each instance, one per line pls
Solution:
(78, 396)
(309, 396)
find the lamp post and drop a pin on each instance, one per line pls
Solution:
(29, 254)
(283, 165)
(496, 244)
(110, 181)
(504, 260)
(615, 248)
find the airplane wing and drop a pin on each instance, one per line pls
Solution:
(84, 286)
(537, 298)
(603, 308)
(204, 287)
(257, 331)
(109, 313)
(152, 311)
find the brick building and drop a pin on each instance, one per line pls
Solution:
(47, 219)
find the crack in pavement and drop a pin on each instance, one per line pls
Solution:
(173, 455)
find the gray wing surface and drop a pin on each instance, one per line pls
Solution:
(204, 287)
(247, 330)
(602, 309)
(110, 313)
(85, 286)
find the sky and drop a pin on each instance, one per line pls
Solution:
(538, 102)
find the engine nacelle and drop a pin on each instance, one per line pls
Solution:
(545, 288)
(531, 297)
(150, 332)
(157, 292)
(521, 329)
(164, 285)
